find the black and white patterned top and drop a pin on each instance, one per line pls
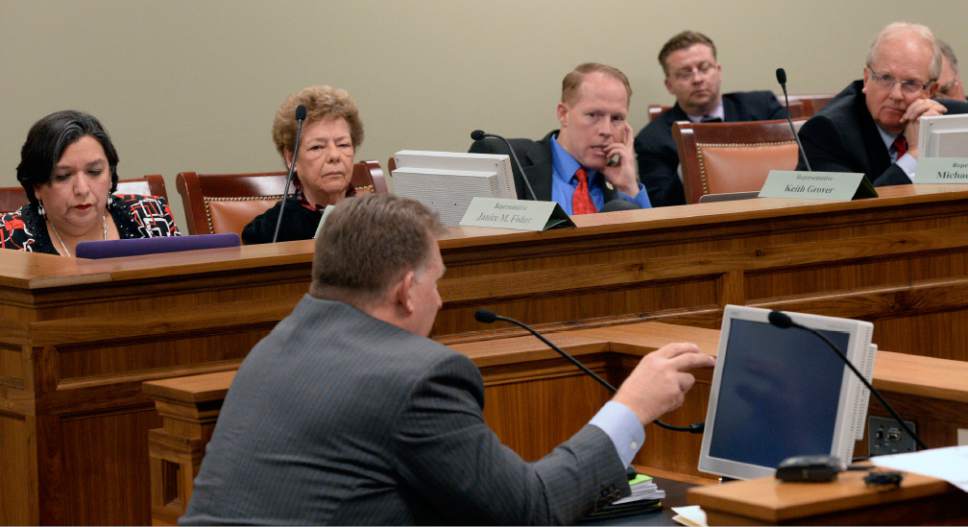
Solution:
(136, 216)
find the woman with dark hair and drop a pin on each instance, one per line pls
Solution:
(68, 168)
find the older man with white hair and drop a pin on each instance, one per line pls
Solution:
(872, 125)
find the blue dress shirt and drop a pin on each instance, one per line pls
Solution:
(621, 426)
(564, 182)
(907, 162)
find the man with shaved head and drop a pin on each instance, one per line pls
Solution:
(872, 126)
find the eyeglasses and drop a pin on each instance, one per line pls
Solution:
(908, 86)
(685, 74)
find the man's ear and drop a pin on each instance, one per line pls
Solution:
(933, 89)
(561, 111)
(402, 293)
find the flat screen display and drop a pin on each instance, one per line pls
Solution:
(778, 395)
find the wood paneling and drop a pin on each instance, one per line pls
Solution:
(535, 400)
(78, 337)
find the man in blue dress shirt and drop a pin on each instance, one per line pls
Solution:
(571, 165)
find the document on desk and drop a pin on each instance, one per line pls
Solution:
(949, 464)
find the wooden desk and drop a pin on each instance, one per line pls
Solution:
(77, 338)
(535, 400)
(847, 501)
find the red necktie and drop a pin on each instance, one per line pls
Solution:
(900, 145)
(581, 200)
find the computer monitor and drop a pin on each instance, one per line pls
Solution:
(447, 181)
(943, 136)
(778, 393)
(163, 244)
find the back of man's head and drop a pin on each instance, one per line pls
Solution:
(368, 243)
(683, 40)
(902, 33)
(573, 80)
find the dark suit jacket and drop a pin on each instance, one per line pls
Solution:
(535, 157)
(656, 149)
(339, 418)
(842, 137)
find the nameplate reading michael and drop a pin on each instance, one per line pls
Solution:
(947, 170)
(514, 214)
(827, 186)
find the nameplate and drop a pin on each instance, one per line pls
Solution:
(942, 170)
(829, 186)
(519, 215)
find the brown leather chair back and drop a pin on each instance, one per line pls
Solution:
(217, 203)
(12, 198)
(655, 110)
(719, 158)
(811, 104)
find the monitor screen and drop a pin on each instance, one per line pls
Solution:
(446, 182)
(781, 392)
(778, 396)
(943, 136)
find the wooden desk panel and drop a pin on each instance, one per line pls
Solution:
(77, 338)
(535, 400)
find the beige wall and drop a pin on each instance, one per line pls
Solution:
(193, 84)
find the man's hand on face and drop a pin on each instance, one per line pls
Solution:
(915, 111)
(624, 176)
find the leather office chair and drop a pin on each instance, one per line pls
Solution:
(216, 203)
(811, 104)
(718, 158)
(655, 110)
(12, 198)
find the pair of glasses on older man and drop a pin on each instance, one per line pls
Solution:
(887, 82)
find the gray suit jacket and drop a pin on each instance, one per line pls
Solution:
(338, 418)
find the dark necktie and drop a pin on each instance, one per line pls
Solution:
(900, 145)
(581, 200)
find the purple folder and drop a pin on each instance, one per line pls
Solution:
(163, 244)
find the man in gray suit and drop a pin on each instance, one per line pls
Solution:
(347, 414)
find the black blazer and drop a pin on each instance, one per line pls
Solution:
(656, 149)
(842, 137)
(535, 158)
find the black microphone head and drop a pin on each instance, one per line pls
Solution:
(781, 76)
(300, 113)
(780, 319)
(477, 135)
(485, 316)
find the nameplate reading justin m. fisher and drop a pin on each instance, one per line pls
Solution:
(830, 186)
(514, 214)
(942, 170)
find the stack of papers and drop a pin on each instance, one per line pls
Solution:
(643, 488)
(645, 497)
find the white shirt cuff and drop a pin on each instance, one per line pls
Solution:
(622, 426)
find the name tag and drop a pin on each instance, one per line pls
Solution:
(942, 170)
(519, 215)
(829, 186)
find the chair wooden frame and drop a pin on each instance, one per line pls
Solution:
(12, 198)
(198, 190)
(694, 140)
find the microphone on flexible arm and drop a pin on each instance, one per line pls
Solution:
(300, 118)
(477, 135)
(783, 321)
(488, 317)
(782, 78)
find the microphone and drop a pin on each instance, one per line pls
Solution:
(300, 118)
(782, 79)
(784, 321)
(488, 317)
(477, 135)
